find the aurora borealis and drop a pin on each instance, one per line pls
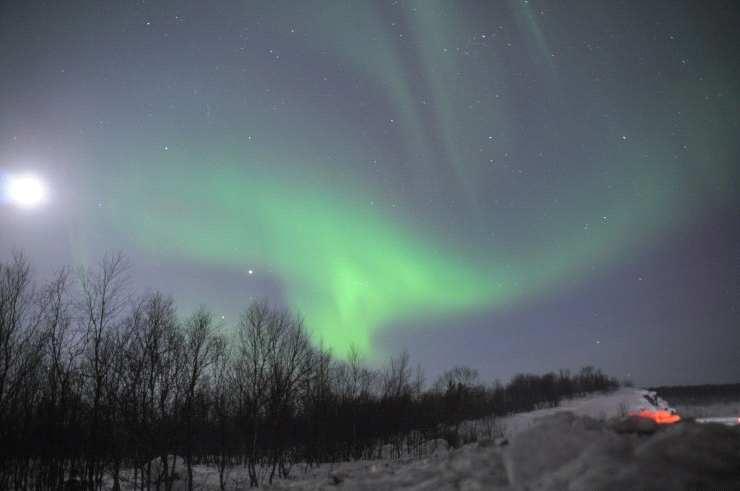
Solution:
(511, 184)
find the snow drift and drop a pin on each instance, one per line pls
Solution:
(572, 452)
(562, 452)
(585, 444)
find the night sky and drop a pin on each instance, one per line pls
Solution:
(512, 185)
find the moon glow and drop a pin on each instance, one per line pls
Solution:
(25, 191)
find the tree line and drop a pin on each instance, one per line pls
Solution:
(699, 394)
(98, 388)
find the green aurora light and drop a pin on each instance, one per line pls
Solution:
(347, 267)
(350, 264)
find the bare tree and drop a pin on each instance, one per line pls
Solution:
(290, 366)
(20, 362)
(104, 297)
(397, 379)
(223, 408)
(160, 347)
(16, 324)
(202, 347)
(62, 350)
(273, 361)
(462, 375)
(251, 372)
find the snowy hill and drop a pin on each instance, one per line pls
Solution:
(571, 447)
(621, 402)
(575, 446)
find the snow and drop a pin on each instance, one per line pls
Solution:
(729, 421)
(579, 453)
(582, 445)
(563, 452)
(571, 447)
(603, 407)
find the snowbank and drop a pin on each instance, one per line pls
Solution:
(576, 446)
(584, 444)
(562, 451)
(607, 406)
(572, 452)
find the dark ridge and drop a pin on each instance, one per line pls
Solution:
(705, 393)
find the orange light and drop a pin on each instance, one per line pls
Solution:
(659, 416)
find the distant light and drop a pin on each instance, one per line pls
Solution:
(25, 190)
(250, 272)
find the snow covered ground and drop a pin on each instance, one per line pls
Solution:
(601, 407)
(571, 447)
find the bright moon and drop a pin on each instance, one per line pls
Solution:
(25, 191)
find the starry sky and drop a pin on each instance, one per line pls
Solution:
(512, 185)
